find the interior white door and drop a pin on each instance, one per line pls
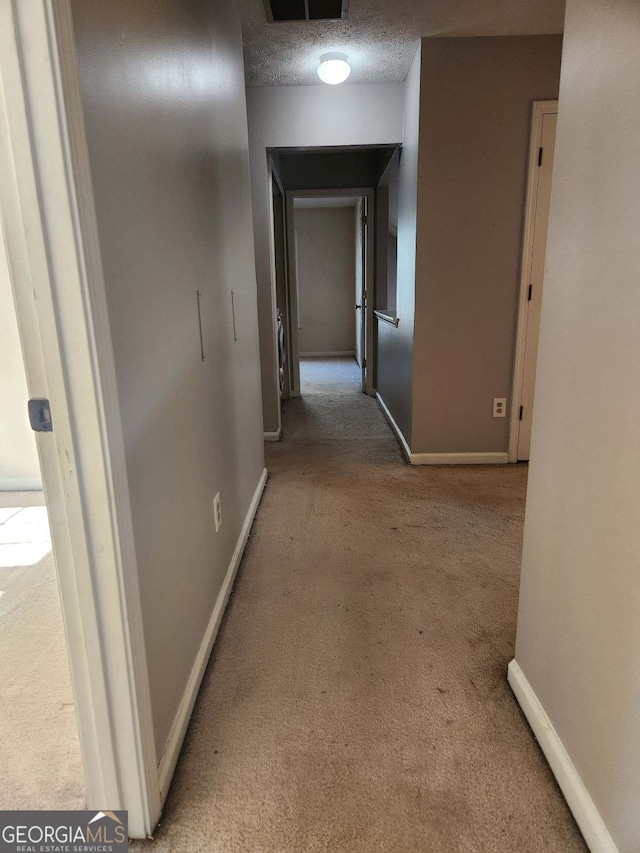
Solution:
(539, 245)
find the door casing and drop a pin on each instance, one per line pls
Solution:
(539, 110)
(272, 175)
(280, 265)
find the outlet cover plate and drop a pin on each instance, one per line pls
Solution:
(499, 407)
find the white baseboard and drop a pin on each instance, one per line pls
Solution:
(575, 793)
(21, 484)
(394, 426)
(273, 436)
(171, 752)
(439, 458)
(459, 458)
(344, 354)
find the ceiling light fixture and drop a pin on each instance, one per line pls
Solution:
(333, 68)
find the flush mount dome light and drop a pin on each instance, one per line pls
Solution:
(333, 68)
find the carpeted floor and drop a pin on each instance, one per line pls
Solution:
(40, 763)
(356, 699)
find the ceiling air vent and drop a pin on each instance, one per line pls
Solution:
(279, 11)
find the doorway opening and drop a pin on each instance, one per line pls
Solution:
(326, 280)
(541, 150)
(330, 259)
(40, 752)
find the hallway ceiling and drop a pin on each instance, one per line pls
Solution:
(324, 202)
(379, 36)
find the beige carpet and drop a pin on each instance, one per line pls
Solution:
(356, 699)
(40, 763)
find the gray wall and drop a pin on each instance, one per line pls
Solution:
(163, 91)
(475, 120)
(326, 279)
(578, 638)
(305, 116)
(395, 345)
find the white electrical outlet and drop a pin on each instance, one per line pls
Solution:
(499, 407)
(217, 511)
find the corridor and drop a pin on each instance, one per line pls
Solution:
(356, 699)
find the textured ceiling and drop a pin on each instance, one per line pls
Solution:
(379, 36)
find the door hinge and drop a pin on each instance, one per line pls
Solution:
(540, 157)
(40, 415)
(364, 294)
(521, 408)
(364, 362)
(529, 296)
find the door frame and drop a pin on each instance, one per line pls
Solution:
(50, 231)
(280, 273)
(538, 111)
(272, 175)
(361, 234)
(292, 280)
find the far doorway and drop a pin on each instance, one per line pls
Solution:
(543, 134)
(330, 268)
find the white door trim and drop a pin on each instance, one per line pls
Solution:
(291, 320)
(370, 287)
(292, 283)
(52, 246)
(539, 110)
